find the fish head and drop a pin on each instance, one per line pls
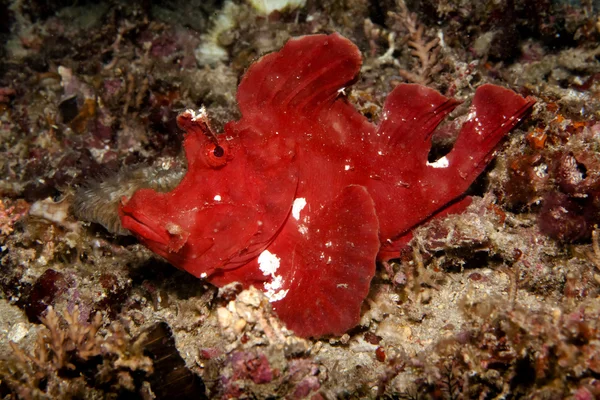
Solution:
(225, 211)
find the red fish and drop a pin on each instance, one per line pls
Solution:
(303, 194)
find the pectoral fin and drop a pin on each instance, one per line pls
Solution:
(321, 266)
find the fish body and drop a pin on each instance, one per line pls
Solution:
(303, 194)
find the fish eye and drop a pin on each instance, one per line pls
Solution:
(218, 152)
(217, 155)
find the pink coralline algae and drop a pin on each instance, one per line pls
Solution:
(254, 367)
(303, 194)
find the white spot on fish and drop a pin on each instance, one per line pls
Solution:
(174, 229)
(217, 198)
(276, 283)
(441, 163)
(203, 275)
(298, 206)
(303, 229)
(273, 291)
(268, 262)
(346, 167)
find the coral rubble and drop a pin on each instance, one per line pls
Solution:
(498, 302)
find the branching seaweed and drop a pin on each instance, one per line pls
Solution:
(73, 359)
(426, 52)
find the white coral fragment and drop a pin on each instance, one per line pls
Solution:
(266, 7)
(210, 52)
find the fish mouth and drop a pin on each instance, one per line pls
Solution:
(143, 227)
(168, 241)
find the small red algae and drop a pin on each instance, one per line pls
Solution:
(209, 353)
(50, 285)
(537, 139)
(305, 387)
(250, 366)
(303, 194)
(476, 276)
(380, 354)
(372, 338)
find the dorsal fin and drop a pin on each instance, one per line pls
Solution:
(302, 77)
(410, 115)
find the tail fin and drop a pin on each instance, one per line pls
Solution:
(494, 112)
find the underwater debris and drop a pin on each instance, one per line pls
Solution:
(170, 378)
(557, 172)
(516, 352)
(304, 267)
(56, 212)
